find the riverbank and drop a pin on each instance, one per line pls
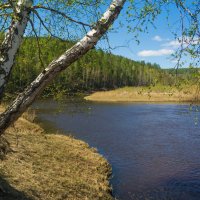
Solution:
(50, 166)
(147, 94)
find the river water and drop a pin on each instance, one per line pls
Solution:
(154, 149)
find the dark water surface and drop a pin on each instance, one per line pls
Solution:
(154, 149)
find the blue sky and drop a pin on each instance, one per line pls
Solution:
(155, 46)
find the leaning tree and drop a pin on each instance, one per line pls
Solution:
(73, 19)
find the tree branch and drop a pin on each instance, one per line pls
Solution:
(25, 99)
(38, 43)
(62, 14)
(43, 24)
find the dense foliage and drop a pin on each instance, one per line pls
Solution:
(97, 70)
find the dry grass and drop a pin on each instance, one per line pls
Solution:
(147, 94)
(51, 167)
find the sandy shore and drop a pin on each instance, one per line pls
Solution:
(142, 94)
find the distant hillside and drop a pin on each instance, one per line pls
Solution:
(97, 70)
(185, 75)
(180, 71)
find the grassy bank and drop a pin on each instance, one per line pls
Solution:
(45, 166)
(148, 94)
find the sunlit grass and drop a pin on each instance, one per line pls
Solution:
(53, 166)
(157, 93)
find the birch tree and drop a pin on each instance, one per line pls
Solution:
(24, 100)
(140, 15)
(13, 38)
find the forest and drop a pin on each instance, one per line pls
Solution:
(98, 70)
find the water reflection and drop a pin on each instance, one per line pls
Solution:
(153, 148)
(182, 187)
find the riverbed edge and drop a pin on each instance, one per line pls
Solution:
(22, 137)
(158, 94)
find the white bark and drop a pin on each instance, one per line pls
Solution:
(55, 67)
(12, 41)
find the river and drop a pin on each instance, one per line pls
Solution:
(154, 149)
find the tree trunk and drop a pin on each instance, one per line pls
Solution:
(12, 41)
(25, 99)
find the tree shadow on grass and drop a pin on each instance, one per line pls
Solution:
(7, 192)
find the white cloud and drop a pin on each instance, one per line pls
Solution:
(174, 61)
(172, 44)
(157, 38)
(181, 41)
(160, 52)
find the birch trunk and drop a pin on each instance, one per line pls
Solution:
(25, 99)
(12, 41)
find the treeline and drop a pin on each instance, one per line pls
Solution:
(184, 76)
(95, 71)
